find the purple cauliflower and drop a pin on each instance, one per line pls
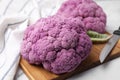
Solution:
(57, 43)
(88, 11)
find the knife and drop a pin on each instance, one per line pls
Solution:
(109, 46)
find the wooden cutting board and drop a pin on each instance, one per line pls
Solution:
(39, 73)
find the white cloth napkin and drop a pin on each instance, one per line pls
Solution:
(15, 15)
(11, 53)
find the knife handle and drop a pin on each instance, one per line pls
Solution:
(117, 32)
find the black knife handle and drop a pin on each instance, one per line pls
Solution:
(119, 28)
(117, 32)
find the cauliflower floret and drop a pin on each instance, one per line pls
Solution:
(66, 61)
(88, 11)
(59, 44)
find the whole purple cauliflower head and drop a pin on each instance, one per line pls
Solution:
(59, 44)
(88, 11)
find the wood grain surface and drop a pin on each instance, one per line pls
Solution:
(39, 73)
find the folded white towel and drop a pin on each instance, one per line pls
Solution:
(11, 53)
(13, 21)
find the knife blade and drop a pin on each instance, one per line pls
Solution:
(109, 46)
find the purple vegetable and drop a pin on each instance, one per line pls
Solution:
(57, 43)
(88, 11)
